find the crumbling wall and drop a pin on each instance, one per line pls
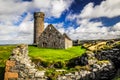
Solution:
(20, 67)
(51, 38)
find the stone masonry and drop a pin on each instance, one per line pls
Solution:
(50, 37)
(20, 67)
(38, 25)
(94, 70)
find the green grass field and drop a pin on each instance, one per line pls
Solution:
(55, 54)
(43, 53)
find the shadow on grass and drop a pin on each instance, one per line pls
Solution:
(2, 70)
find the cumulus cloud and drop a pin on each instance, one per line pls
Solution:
(12, 11)
(52, 8)
(92, 29)
(116, 27)
(22, 33)
(60, 27)
(107, 8)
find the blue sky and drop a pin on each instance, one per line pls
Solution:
(79, 19)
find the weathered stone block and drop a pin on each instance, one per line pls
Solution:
(32, 71)
(10, 63)
(7, 68)
(76, 73)
(22, 74)
(40, 74)
(10, 75)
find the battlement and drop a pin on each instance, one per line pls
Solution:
(39, 14)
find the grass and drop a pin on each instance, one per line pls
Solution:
(5, 52)
(42, 53)
(55, 54)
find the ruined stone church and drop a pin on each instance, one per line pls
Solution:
(49, 37)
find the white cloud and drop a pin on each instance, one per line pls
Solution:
(60, 6)
(52, 8)
(107, 8)
(96, 30)
(11, 11)
(116, 27)
(17, 34)
(23, 32)
(91, 30)
(60, 27)
(42, 4)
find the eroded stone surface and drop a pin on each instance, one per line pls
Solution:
(20, 67)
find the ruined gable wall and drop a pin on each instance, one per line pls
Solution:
(51, 38)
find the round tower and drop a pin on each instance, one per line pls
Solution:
(38, 25)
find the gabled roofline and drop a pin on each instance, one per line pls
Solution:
(66, 36)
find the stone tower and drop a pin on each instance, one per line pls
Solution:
(38, 25)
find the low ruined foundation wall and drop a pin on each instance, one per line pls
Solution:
(20, 67)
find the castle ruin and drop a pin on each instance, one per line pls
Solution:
(50, 37)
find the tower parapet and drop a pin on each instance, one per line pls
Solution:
(39, 14)
(38, 25)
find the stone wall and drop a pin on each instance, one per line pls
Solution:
(20, 67)
(10, 74)
(38, 25)
(51, 38)
(111, 54)
(103, 65)
(103, 71)
(90, 69)
(68, 43)
(95, 67)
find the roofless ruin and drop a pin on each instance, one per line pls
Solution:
(49, 37)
